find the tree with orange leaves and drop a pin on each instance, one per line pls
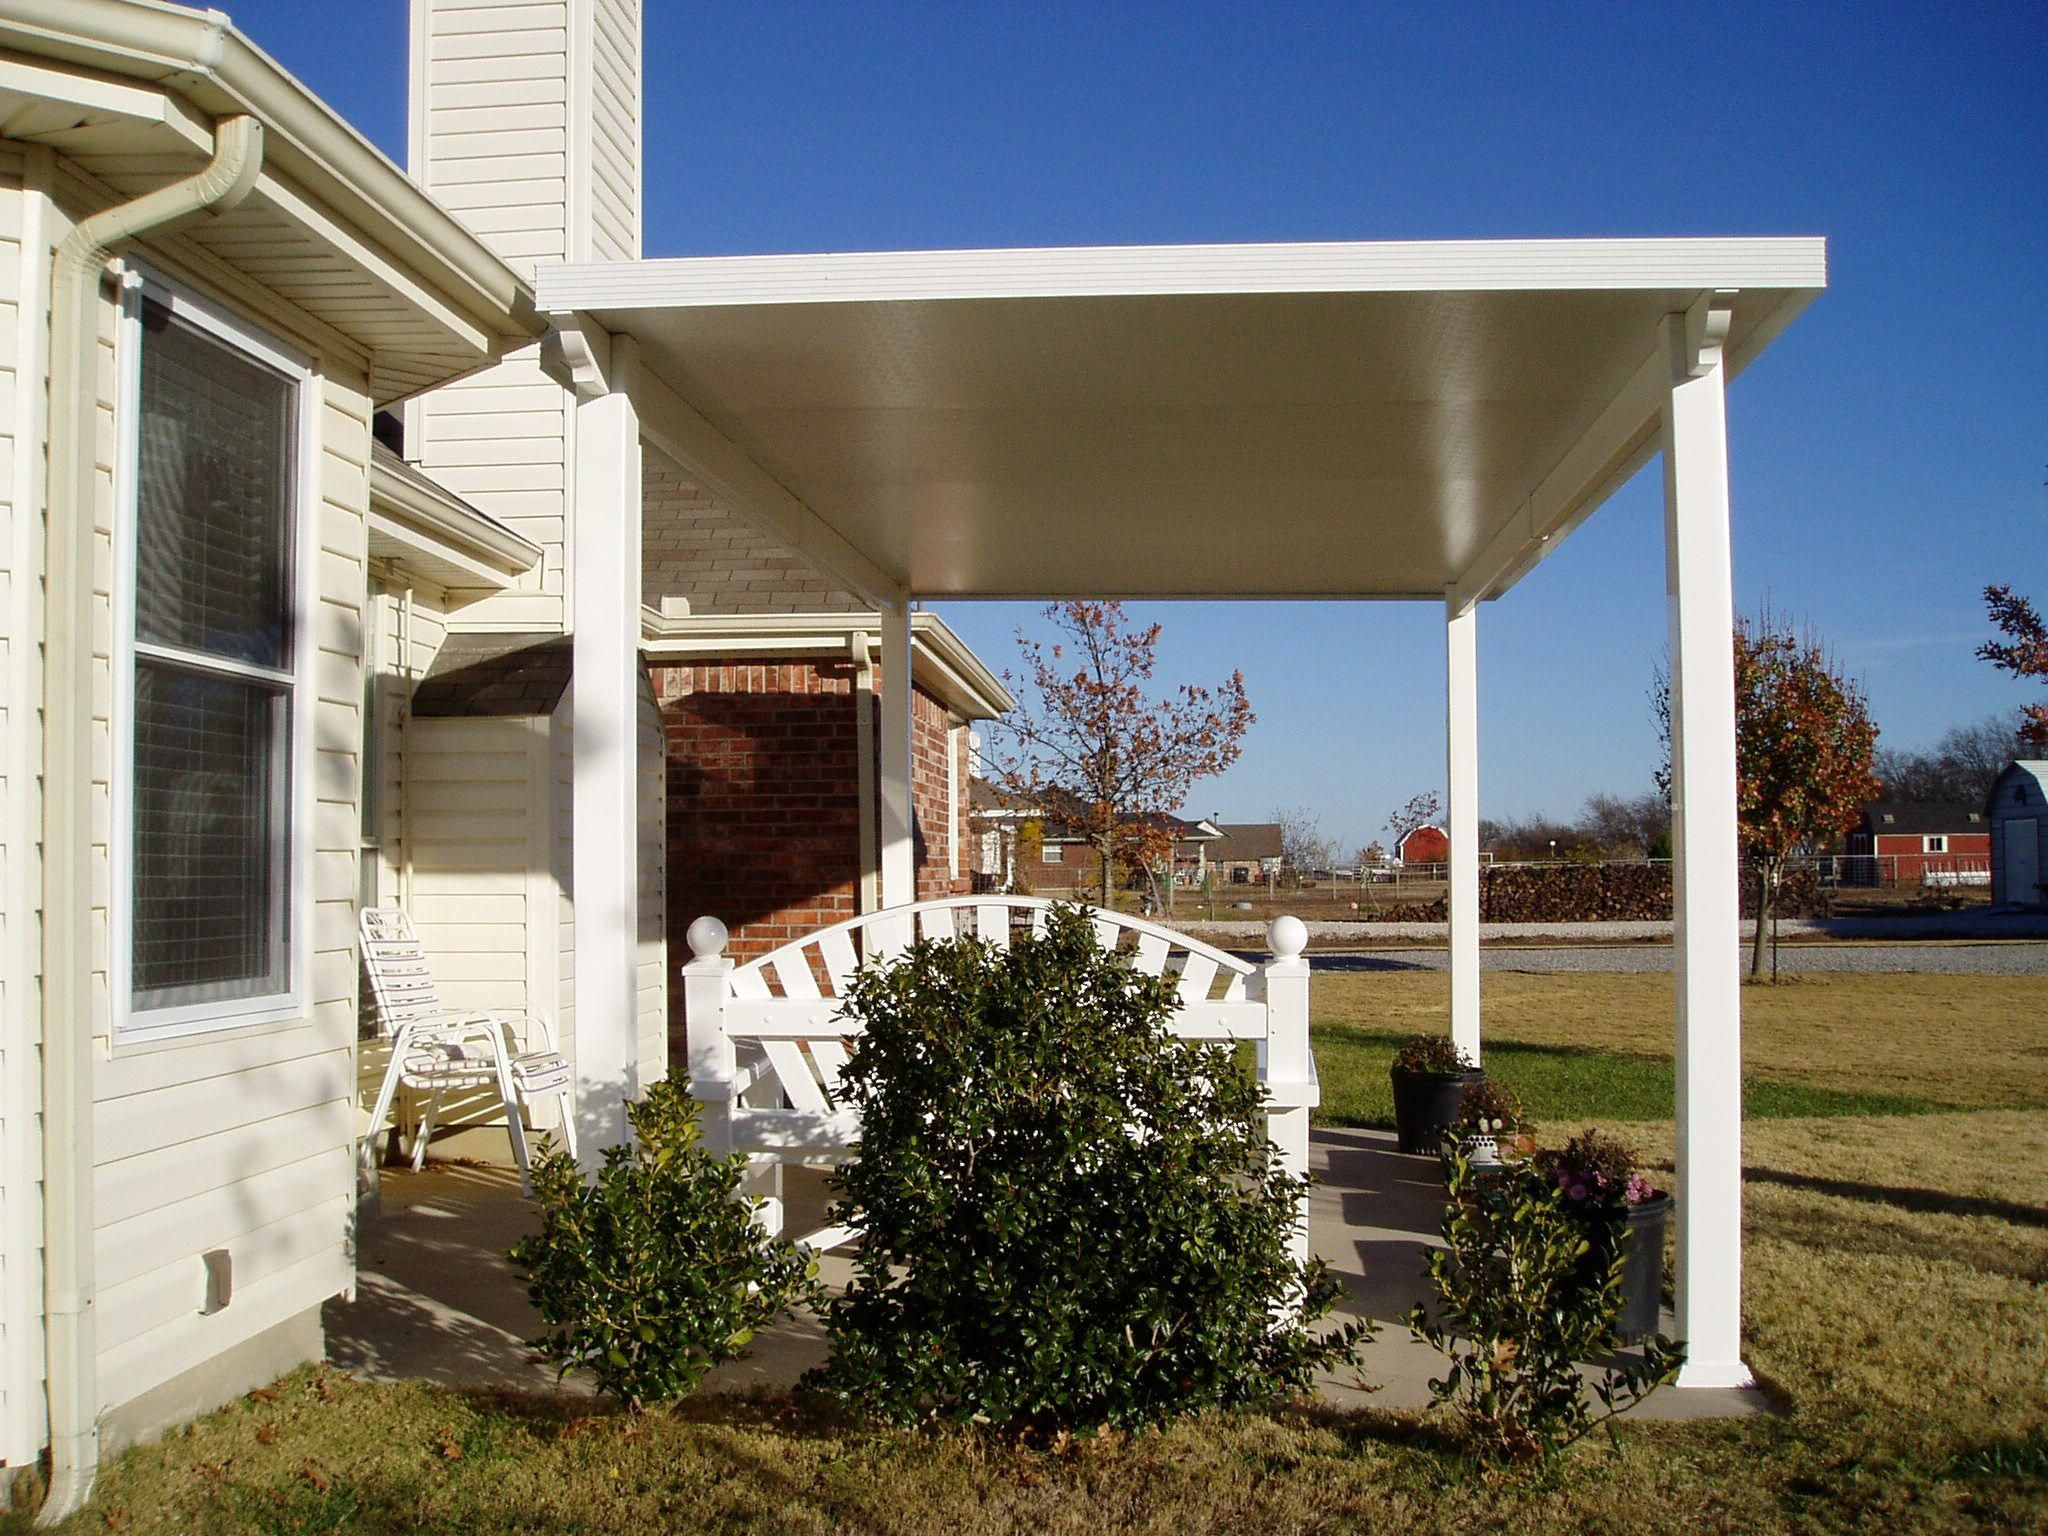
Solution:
(1804, 741)
(2023, 653)
(1093, 750)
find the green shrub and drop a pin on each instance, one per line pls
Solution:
(1518, 1312)
(653, 1273)
(1431, 1053)
(1071, 1218)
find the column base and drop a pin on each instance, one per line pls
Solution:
(1715, 1373)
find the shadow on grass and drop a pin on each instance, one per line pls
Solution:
(1905, 1197)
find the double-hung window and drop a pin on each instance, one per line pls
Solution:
(212, 661)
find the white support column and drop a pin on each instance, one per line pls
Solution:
(1286, 1063)
(1461, 654)
(899, 853)
(1699, 582)
(604, 575)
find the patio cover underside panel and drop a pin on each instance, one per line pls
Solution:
(1241, 443)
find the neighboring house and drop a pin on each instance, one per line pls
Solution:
(1238, 852)
(206, 570)
(1428, 844)
(1902, 843)
(2017, 817)
(1039, 846)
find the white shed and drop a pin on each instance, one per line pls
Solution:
(2018, 814)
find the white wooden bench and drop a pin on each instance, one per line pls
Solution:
(768, 1040)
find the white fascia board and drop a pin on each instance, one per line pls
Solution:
(941, 662)
(1461, 266)
(444, 529)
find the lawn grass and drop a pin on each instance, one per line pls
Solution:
(1896, 1290)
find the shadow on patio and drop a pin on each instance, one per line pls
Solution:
(438, 1301)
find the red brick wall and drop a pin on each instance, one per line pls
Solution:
(935, 826)
(763, 799)
(764, 802)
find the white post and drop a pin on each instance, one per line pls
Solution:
(604, 577)
(713, 1066)
(713, 1063)
(1461, 654)
(1286, 1062)
(1704, 861)
(899, 854)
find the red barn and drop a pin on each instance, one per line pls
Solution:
(1920, 844)
(1425, 845)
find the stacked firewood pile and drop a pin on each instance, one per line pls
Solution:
(1595, 893)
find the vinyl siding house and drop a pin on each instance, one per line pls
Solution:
(212, 286)
(311, 550)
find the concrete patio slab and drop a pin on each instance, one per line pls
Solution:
(438, 1301)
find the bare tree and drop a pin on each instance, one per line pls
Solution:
(1956, 770)
(1090, 745)
(1303, 847)
(1631, 826)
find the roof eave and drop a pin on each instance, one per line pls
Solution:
(200, 56)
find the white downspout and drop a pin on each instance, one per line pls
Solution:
(71, 1360)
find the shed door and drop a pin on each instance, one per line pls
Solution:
(2023, 862)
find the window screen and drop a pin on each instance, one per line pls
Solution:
(214, 627)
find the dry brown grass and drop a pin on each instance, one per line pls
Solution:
(1896, 1288)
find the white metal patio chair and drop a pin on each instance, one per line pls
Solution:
(438, 1049)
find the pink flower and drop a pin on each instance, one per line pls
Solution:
(1578, 1191)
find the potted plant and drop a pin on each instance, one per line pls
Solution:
(1489, 1128)
(1430, 1076)
(1620, 1205)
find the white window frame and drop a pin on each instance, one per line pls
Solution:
(1052, 853)
(1934, 843)
(291, 1005)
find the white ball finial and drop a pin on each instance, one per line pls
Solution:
(1288, 937)
(707, 938)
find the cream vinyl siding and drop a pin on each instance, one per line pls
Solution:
(526, 123)
(614, 108)
(482, 892)
(23, 338)
(242, 1140)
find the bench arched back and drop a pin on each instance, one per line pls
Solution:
(769, 1039)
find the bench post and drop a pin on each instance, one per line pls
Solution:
(714, 1065)
(1287, 1066)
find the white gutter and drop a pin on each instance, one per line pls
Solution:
(79, 265)
(201, 56)
(437, 523)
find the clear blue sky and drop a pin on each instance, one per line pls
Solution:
(1887, 455)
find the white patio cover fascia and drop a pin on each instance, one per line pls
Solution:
(1402, 420)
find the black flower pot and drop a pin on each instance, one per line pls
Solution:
(1642, 1277)
(1425, 1104)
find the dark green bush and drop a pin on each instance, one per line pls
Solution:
(1519, 1310)
(653, 1273)
(1071, 1218)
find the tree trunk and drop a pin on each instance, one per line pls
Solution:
(1764, 887)
(1105, 857)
